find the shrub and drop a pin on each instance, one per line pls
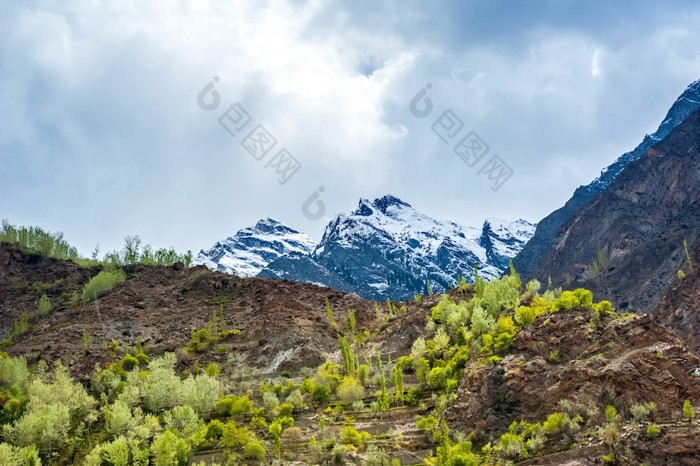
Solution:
(610, 437)
(511, 445)
(168, 449)
(413, 396)
(653, 431)
(375, 457)
(525, 316)
(215, 429)
(270, 401)
(688, 411)
(437, 377)
(639, 412)
(212, 369)
(102, 284)
(44, 305)
(201, 393)
(611, 416)
(142, 358)
(129, 362)
(320, 393)
(241, 406)
(286, 409)
(292, 434)
(236, 437)
(426, 424)
(352, 436)
(350, 390)
(253, 450)
(554, 423)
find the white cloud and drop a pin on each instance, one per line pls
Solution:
(101, 135)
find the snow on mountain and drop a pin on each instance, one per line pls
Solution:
(386, 248)
(251, 249)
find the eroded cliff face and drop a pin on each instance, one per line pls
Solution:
(679, 310)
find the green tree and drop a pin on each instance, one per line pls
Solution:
(397, 374)
(276, 429)
(132, 249)
(348, 355)
(688, 411)
(44, 305)
(329, 313)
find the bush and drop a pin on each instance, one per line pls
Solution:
(688, 411)
(639, 412)
(129, 362)
(350, 390)
(168, 449)
(320, 394)
(253, 450)
(653, 431)
(426, 424)
(236, 437)
(292, 434)
(44, 305)
(241, 406)
(413, 396)
(611, 416)
(101, 284)
(212, 369)
(214, 429)
(437, 377)
(286, 409)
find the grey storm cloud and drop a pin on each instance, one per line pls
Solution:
(101, 135)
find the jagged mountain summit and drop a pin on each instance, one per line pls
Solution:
(532, 255)
(248, 251)
(386, 248)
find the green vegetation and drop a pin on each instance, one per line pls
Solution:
(44, 305)
(688, 411)
(653, 431)
(37, 241)
(599, 264)
(167, 409)
(687, 256)
(102, 284)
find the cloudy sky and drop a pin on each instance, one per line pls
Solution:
(102, 133)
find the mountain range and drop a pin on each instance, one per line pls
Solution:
(385, 248)
(535, 250)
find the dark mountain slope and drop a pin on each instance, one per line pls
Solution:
(532, 255)
(638, 223)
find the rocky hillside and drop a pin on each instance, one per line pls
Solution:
(386, 248)
(275, 359)
(678, 310)
(532, 255)
(627, 244)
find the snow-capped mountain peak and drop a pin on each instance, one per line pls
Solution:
(387, 248)
(248, 251)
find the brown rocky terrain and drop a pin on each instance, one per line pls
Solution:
(639, 222)
(679, 310)
(619, 362)
(283, 327)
